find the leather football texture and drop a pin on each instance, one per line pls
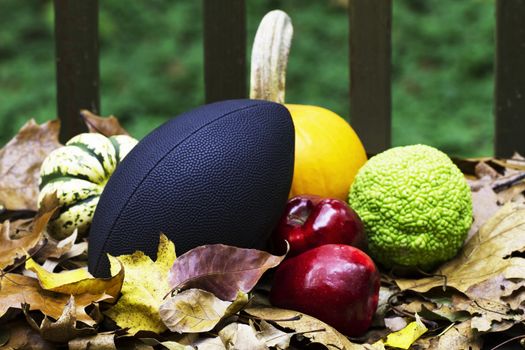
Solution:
(220, 173)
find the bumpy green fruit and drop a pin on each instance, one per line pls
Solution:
(415, 204)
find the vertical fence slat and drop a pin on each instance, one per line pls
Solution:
(509, 90)
(224, 49)
(370, 67)
(77, 62)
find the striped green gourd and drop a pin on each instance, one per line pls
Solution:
(78, 172)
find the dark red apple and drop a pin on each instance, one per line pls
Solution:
(311, 221)
(335, 283)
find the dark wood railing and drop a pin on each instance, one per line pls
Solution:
(76, 33)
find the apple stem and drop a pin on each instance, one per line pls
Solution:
(270, 51)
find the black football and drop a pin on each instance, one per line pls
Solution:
(218, 174)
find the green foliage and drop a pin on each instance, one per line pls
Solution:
(152, 56)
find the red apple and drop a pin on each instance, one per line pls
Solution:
(311, 221)
(335, 283)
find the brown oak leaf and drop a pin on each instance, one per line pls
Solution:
(107, 126)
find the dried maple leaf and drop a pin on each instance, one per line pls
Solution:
(220, 269)
(107, 126)
(486, 256)
(20, 162)
(64, 328)
(145, 285)
(311, 328)
(16, 290)
(78, 281)
(13, 249)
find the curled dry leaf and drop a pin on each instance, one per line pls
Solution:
(78, 281)
(484, 206)
(62, 330)
(220, 269)
(311, 328)
(20, 162)
(107, 126)
(16, 290)
(63, 249)
(486, 256)
(145, 285)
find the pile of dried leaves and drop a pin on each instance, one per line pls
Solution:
(48, 300)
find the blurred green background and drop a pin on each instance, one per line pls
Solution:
(152, 57)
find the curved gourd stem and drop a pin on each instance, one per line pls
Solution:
(270, 51)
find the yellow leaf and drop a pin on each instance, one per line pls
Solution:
(145, 285)
(78, 281)
(16, 290)
(404, 338)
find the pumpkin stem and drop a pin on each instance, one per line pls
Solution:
(270, 51)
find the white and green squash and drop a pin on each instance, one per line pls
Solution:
(77, 173)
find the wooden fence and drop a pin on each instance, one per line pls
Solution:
(76, 32)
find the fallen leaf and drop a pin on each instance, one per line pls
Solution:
(16, 290)
(395, 323)
(486, 256)
(62, 330)
(20, 162)
(61, 250)
(405, 337)
(193, 311)
(100, 341)
(145, 285)
(488, 315)
(78, 281)
(107, 126)
(241, 336)
(13, 249)
(23, 337)
(484, 206)
(220, 269)
(460, 336)
(311, 328)
(172, 345)
(273, 337)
